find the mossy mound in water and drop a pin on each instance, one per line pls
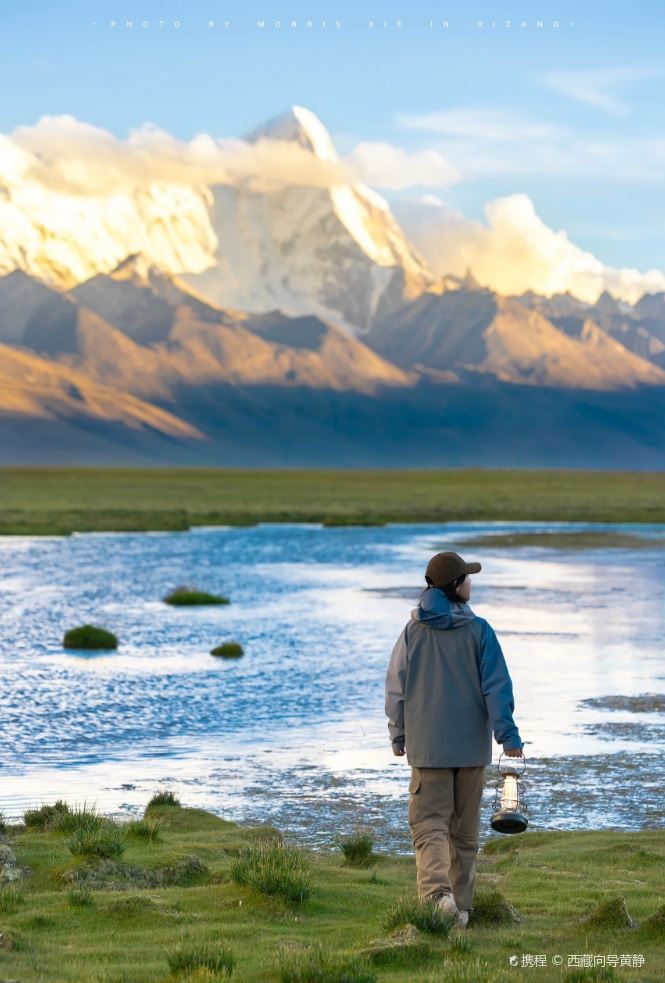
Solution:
(228, 649)
(190, 596)
(611, 913)
(89, 637)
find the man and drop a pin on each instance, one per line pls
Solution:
(447, 690)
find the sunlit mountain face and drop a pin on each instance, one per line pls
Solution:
(249, 295)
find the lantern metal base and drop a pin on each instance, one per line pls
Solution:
(509, 821)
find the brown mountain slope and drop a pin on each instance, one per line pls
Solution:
(148, 335)
(478, 332)
(31, 386)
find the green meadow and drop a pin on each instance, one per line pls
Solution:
(183, 895)
(60, 501)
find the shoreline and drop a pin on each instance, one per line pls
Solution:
(60, 501)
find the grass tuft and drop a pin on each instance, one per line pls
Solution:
(611, 913)
(421, 912)
(186, 596)
(491, 908)
(85, 819)
(164, 797)
(274, 868)
(144, 829)
(655, 923)
(89, 637)
(44, 817)
(80, 897)
(315, 965)
(460, 944)
(11, 899)
(188, 957)
(475, 971)
(131, 906)
(357, 847)
(106, 840)
(228, 649)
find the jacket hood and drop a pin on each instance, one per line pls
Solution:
(435, 610)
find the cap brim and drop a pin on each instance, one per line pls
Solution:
(474, 567)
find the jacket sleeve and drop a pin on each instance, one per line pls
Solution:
(497, 689)
(395, 686)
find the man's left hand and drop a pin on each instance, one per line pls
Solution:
(399, 751)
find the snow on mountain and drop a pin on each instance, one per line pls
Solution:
(329, 251)
(332, 251)
(63, 239)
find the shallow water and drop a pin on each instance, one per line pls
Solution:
(294, 732)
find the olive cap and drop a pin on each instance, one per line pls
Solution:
(443, 568)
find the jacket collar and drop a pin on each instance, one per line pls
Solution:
(436, 611)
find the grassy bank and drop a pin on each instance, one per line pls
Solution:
(60, 501)
(171, 905)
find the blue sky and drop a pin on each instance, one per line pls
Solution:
(573, 117)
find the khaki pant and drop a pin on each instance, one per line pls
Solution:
(444, 819)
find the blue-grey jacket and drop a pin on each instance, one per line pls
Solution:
(448, 687)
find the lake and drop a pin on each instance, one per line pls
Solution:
(294, 732)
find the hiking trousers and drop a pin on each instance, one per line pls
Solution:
(444, 819)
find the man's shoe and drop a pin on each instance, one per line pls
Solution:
(463, 919)
(446, 903)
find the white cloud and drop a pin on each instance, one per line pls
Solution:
(496, 126)
(71, 157)
(386, 166)
(483, 143)
(598, 87)
(515, 251)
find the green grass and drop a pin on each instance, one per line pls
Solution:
(424, 914)
(107, 840)
(228, 650)
(566, 887)
(164, 797)
(316, 965)
(211, 955)
(274, 868)
(62, 500)
(89, 637)
(11, 898)
(189, 596)
(357, 847)
(146, 829)
(45, 816)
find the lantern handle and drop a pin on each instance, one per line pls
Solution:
(512, 757)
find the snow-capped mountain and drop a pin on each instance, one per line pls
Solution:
(333, 251)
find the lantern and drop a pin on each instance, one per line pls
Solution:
(509, 805)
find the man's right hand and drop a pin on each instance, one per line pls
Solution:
(513, 752)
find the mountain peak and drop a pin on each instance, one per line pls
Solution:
(301, 126)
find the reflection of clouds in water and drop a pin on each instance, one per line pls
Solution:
(299, 719)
